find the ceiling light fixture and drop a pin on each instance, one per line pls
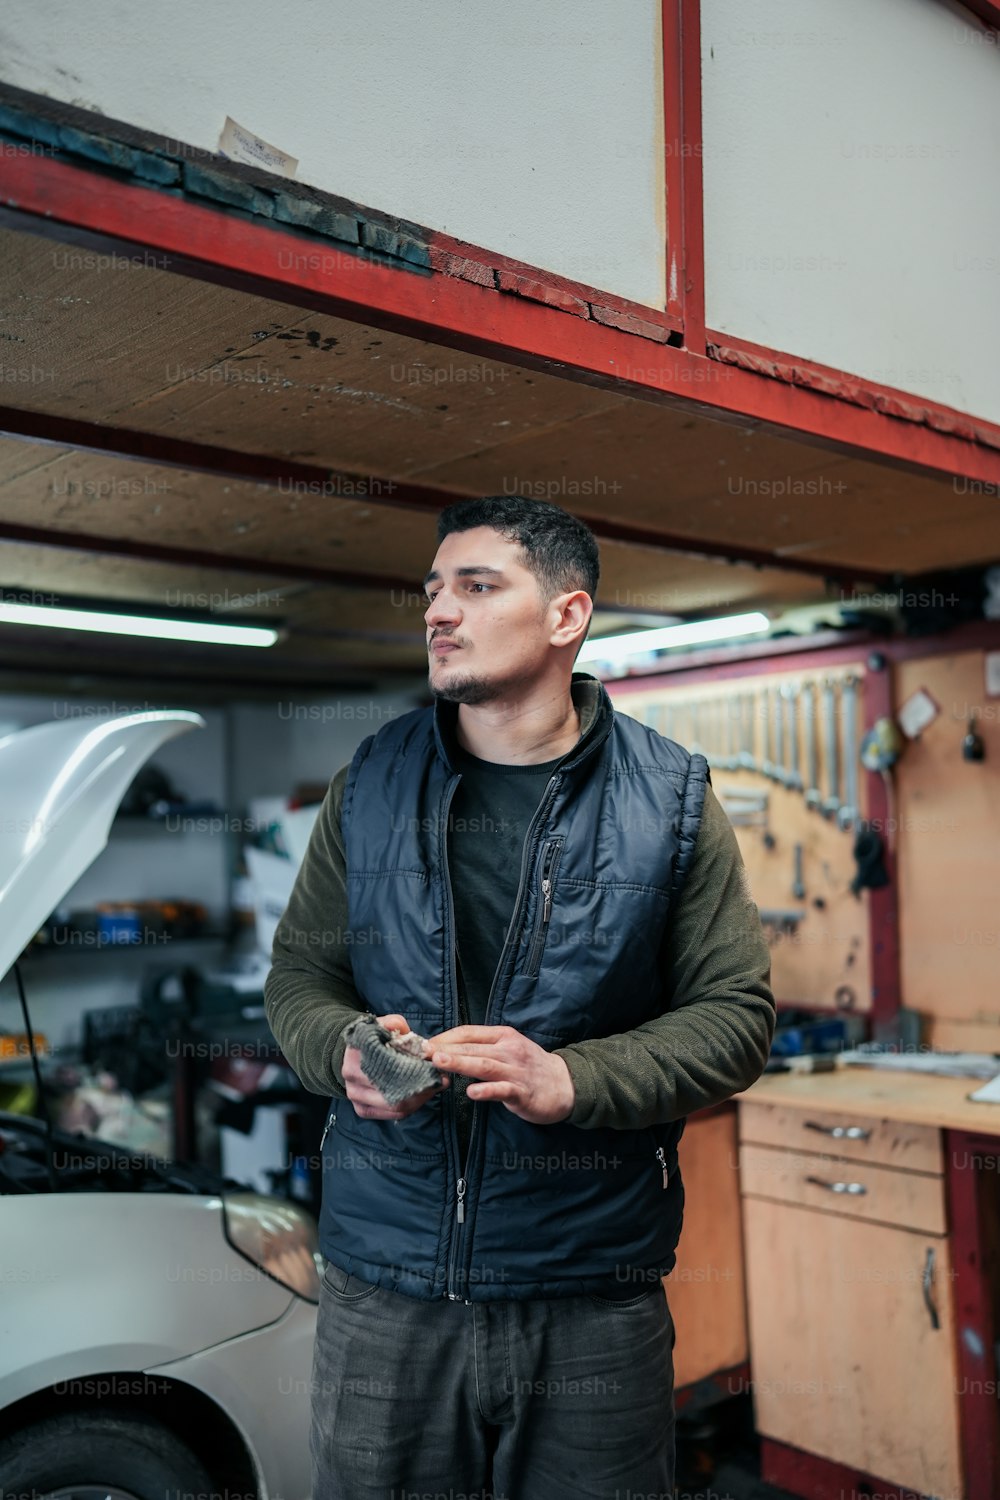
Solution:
(616, 648)
(155, 627)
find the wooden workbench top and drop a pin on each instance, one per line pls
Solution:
(921, 1098)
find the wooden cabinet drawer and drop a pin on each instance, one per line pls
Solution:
(860, 1138)
(911, 1200)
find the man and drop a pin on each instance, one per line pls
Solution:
(551, 893)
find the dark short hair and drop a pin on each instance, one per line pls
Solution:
(558, 548)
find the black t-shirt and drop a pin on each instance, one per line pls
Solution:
(488, 819)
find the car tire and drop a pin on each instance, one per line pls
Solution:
(93, 1452)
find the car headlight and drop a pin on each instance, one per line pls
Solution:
(277, 1236)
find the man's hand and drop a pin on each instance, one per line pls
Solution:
(369, 1102)
(534, 1084)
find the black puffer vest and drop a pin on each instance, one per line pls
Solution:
(534, 1210)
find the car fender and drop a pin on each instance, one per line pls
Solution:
(99, 1282)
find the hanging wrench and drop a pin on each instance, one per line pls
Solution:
(766, 763)
(792, 732)
(780, 774)
(731, 708)
(847, 815)
(832, 801)
(745, 732)
(798, 884)
(752, 762)
(813, 798)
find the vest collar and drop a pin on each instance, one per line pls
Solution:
(590, 697)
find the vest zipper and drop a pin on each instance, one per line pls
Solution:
(326, 1130)
(512, 933)
(550, 862)
(460, 1181)
(663, 1163)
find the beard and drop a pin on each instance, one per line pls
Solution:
(468, 689)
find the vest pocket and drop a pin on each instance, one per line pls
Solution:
(417, 1137)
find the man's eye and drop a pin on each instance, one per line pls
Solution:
(474, 585)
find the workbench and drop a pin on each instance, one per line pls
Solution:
(870, 1239)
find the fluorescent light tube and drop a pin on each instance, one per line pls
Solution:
(613, 648)
(136, 625)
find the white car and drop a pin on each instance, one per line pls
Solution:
(156, 1323)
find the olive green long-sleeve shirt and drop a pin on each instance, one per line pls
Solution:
(711, 1043)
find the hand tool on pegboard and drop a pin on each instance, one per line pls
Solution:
(847, 815)
(766, 763)
(780, 773)
(813, 797)
(792, 735)
(832, 801)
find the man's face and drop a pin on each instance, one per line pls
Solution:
(488, 632)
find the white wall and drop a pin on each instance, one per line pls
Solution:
(531, 129)
(277, 746)
(852, 189)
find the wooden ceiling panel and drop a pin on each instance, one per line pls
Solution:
(640, 578)
(325, 391)
(696, 478)
(68, 575)
(111, 497)
(135, 346)
(170, 355)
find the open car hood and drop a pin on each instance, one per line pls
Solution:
(60, 786)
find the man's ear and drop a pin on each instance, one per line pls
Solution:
(578, 604)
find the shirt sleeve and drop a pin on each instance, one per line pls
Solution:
(715, 1036)
(309, 995)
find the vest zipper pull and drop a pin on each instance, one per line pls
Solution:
(547, 892)
(460, 1190)
(326, 1129)
(663, 1163)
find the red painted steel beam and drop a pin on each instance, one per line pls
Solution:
(797, 654)
(673, 168)
(815, 1478)
(878, 702)
(285, 474)
(971, 1292)
(682, 147)
(693, 185)
(841, 385)
(987, 12)
(48, 197)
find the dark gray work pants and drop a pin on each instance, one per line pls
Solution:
(569, 1398)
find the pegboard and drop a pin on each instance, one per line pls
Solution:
(783, 748)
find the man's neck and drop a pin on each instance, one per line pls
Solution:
(519, 735)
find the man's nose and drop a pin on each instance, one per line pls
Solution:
(442, 610)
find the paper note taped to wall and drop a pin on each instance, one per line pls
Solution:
(239, 144)
(919, 710)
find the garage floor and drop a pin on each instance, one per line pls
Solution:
(718, 1456)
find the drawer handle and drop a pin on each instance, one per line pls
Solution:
(839, 1187)
(928, 1284)
(840, 1132)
